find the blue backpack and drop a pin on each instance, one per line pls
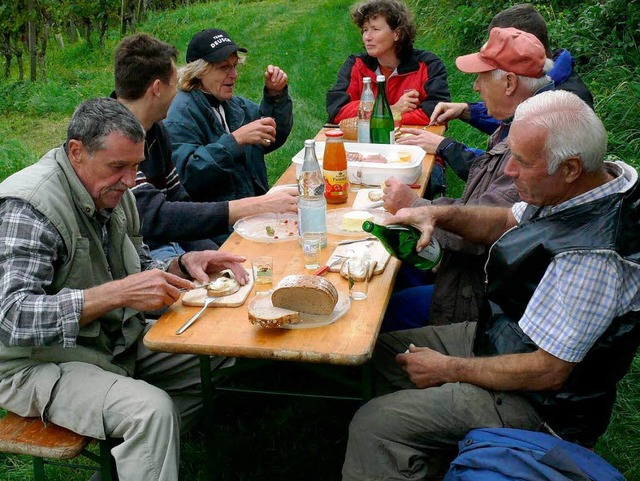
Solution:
(502, 454)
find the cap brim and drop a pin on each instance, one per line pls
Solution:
(473, 63)
(223, 53)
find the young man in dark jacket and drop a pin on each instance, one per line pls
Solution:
(146, 79)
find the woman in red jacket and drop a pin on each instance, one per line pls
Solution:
(388, 34)
(416, 79)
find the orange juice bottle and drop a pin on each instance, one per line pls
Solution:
(334, 168)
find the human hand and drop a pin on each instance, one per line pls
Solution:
(275, 79)
(408, 102)
(202, 263)
(421, 218)
(151, 290)
(422, 138)
(397, 195)
(446, 111)
(424, 367)
(259, 132)
(284, 199)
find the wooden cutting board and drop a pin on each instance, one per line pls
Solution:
(362, 200)
(378, 255)
(196, 297)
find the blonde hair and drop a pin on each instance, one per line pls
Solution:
(189, 76)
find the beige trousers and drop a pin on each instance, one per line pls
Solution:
(412, 434)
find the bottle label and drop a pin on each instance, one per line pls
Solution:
(431, 252)
(336, 183)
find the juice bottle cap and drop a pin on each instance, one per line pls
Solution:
(334, 133)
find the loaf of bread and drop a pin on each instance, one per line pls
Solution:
(308, 294)
(269, 316)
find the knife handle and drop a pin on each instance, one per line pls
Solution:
(321, 271)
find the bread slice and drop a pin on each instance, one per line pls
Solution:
(308, 294)
(269, 316)
(222, 286)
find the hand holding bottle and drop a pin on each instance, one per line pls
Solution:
(421, 218)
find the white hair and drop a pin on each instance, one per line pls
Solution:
(532, 84)
(573, 129)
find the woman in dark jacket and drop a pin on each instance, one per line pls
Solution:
(220, 139)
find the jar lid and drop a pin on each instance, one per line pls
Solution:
(334, 133)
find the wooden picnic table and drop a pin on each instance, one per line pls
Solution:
(226, 331)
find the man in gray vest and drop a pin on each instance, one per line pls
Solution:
(561, 322)
(75, 278)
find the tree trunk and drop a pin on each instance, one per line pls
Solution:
(32, 40)
(18, 52)
(42, 51)
(123, 18)
(72, 31)
(8, 55)
(88, 25)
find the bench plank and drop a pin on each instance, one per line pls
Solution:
(32, 437)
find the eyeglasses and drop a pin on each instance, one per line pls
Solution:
(228, 67)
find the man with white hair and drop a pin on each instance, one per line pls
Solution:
(510, 68)
(560, 327)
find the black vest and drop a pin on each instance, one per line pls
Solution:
(580, 410)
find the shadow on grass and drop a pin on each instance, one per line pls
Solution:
(271, 437)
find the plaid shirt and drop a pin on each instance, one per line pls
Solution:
(30, 250)
(581, 292)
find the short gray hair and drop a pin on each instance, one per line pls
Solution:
(573, 128)
(94, 119)
(532, 84)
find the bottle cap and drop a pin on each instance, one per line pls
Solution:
(309, 143)
(334, 133)
(380, 78)
(366, 80)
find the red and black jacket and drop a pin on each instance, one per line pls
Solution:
(422, 71)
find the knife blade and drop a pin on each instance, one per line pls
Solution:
(344, 243)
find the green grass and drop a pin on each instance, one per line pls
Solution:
(267, 437)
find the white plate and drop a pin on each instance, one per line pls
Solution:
(254, 227)
(334, 221)
(308, 320)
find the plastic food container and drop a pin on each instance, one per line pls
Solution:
(375, 173)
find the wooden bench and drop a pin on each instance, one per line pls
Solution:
(47, 442)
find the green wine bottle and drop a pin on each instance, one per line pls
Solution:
(401, 240)
(381, 124)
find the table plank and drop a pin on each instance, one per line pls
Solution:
(228, 332)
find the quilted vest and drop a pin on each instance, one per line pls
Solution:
(580, 410)
(52, 187)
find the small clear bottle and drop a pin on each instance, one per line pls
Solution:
(312, 206)
(364, 111)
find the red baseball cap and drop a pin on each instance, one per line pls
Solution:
(507, 49)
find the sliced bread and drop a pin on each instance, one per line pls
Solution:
(269, 316)
(308, 294)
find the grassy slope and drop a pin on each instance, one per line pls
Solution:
(268, 438)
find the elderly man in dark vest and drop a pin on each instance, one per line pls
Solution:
(560, 326)
(75, 279)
